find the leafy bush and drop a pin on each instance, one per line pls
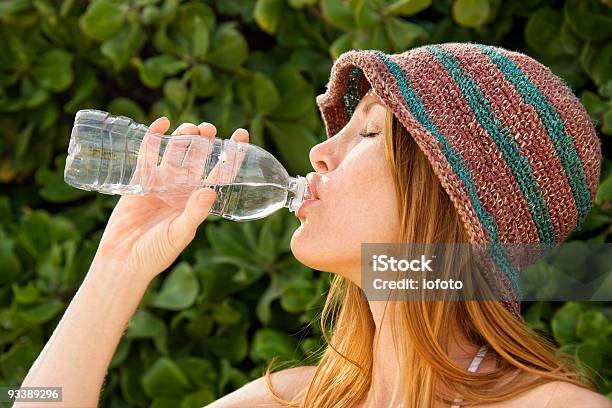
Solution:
(236, 297)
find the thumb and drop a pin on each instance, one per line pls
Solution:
(196, 210)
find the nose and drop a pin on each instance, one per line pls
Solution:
(323, 156)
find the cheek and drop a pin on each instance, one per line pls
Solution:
(359, 206)
(370, 209)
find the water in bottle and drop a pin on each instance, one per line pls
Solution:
(114, 155)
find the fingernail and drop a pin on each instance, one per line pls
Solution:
(205, 194)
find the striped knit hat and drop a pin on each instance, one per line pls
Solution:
(510, 142)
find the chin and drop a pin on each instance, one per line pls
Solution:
(302, 245)
(308, 248)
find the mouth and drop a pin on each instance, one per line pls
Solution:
(311, 187)
(310, 197)
(309, 192)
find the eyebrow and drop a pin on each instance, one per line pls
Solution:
(365, 108)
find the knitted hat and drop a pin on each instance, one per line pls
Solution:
(508, 139)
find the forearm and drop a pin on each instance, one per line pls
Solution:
(78, 354)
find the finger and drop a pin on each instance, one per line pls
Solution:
(207, 129)
(199, 150)
(177, 147)
(240, 135)
(228, 165)
(148, 151)
(196, 210)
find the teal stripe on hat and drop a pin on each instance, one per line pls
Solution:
(351, 95)
(504, 140)
(562, 141)
(418, 110)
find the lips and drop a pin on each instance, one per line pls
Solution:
(312, 195)
(311, 186)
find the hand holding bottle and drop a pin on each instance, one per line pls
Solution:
(147, 233)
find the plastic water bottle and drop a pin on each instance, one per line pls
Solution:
(114, 155)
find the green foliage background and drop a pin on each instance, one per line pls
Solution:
(236, 297)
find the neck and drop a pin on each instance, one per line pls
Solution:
(387, 376)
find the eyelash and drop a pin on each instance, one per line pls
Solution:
(368, 134)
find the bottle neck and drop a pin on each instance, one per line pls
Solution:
(296, 192)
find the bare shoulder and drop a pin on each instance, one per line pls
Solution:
(556, 394)
(287, 383)
(564, 394)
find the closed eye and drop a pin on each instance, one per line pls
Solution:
(368, 134)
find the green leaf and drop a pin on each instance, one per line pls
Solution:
(165, 402)
(33, 233)
(203, 80)
(604, 191)
(150, 15)
(366, 14)
(404, 34)
(406, 7)
(192, 14)
(267, 240)
(180, 289)
(127, 107)
(593, 103)
(165, 379)
(145, 325)
(471, 13)
(298, 4)
(266, 14)
(40, 313)
(341, 44)
(53, 187)
(373, 39)
(288, 271)
(338, 13)
(590, 19)
(606, 126)
(297, 94)
(175, 92)
(298, 295)
(18, 359)
(572, 44)
(225, 313)
(229, 49)
(590, 354)
(53, 70)
(592, 325)
(200, 38)
(29, 294)
(294, 142)
(198, 398)
(121, 353)
(543, 32)
(563, 323)
(232, 344)
(103, 18)
(256, 131)
(153, 71)
(200, 371)
(32, 95)
(266, 95)
(269, 343)
(601, 70)
(84, 86)
(123, 46)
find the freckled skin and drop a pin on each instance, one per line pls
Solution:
(357, 202)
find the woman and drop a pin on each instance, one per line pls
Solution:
(446, 143)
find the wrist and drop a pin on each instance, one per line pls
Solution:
(116, 274)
